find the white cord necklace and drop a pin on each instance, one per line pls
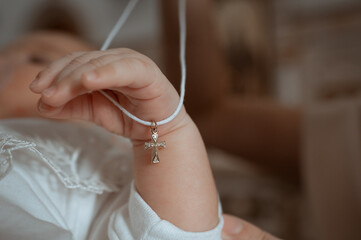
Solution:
(182, 25)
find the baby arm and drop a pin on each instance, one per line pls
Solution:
(180, 188)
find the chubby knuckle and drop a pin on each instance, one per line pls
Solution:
(135, 64)
(78, 58)
(145, 64)
(154, 73)
(96, 62)
(127, 51)
(157, 88)
(76, 61)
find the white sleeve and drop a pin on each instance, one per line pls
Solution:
(137, 220)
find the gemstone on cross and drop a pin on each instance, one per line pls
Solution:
(154, 145)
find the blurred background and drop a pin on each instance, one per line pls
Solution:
(274, 86)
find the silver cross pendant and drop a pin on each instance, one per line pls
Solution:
(154, 145)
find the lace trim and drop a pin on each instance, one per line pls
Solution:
(56, 154)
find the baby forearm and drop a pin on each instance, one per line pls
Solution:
(180, 188)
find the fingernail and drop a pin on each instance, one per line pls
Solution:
(91, 76)
(32, 85)
(49, 92)
(233, 228)
(43, 107)
(34, 82)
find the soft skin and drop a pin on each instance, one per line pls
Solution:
(181, 188)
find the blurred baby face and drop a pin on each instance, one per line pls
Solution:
(20, 63)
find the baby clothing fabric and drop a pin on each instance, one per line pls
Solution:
(70, 181)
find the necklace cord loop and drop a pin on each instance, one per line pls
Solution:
(154, 126)
(182, 26)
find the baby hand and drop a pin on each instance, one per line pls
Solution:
(69, 90)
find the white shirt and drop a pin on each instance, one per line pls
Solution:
(73, 181)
